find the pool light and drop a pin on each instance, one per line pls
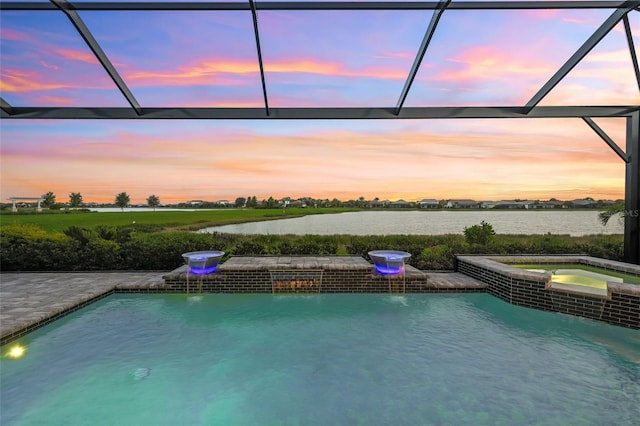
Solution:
(16, 351)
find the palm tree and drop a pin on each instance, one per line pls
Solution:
(75, 199)
(122, 200)
(616, 209)
(153, 201)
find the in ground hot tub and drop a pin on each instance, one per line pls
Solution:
(202, 262)
(389, 262)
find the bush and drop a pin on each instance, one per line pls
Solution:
(29, 248)
(479, 234)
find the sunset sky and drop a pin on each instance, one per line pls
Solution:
(337, 58)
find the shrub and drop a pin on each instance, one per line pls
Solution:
(29, 248)
(479, 234)
(438, 257)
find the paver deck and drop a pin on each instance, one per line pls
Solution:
(27, 300)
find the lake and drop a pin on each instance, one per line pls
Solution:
(571, 222)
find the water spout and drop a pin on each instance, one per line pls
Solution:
(200, 263)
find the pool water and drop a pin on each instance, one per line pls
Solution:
(321, 360)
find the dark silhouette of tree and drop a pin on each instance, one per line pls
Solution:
(272, 203)
(75, 199)
(153, 201)
(252, 202)
(48, 200)
(122, 200)
(240, 201)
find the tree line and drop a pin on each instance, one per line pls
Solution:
(122, 200)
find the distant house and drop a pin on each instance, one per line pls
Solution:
(551, 204)
(400, 204)
(462, 204)
(378, 203)
(512, 204)
(428, 203)
(583, 203)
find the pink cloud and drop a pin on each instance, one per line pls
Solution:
(17, 81)
(54, 100)
(77, 55)
(10, 34)
(49, 66)
(233, 71)
(484, 62)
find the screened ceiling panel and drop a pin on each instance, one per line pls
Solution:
(161, 1)
(185, 58)
(45, 63)
(604, 77)
(363, 58)
(498, 57)
(258, 59)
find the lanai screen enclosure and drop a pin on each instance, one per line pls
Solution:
(266, 30)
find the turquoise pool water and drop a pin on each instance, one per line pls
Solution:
(321, 360)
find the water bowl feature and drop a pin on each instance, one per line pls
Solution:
(389, 262)
(202, 262)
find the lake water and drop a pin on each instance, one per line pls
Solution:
(571, 222)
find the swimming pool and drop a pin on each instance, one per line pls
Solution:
(132, 359)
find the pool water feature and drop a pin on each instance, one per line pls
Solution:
(202, 262)
(369, 359)
(389, 262)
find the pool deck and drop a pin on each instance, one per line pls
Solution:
(31, 300)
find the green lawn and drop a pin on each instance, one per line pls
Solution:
(184, 220)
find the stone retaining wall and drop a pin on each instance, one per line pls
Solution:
(619, 306)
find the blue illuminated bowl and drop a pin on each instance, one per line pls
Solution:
(202, 262)
(389, 262)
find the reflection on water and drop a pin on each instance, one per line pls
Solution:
(574, 223)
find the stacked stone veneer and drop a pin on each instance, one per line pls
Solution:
(302, 274)
(620, 305)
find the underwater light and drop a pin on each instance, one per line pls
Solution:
(16, 351)
(195, 270)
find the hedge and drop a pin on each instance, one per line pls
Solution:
(28, 248)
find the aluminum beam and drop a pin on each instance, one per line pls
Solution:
(607, 139)
(632, 49)
(77, 22)
(319, 113)
(6, 107)
(591, 42)
(632, 192)
(257, 35)
(321, 5)
(431, 29)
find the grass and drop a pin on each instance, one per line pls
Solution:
(171, 220)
